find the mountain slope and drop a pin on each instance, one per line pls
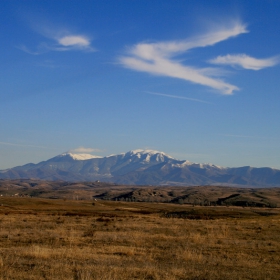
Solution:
(141, 167)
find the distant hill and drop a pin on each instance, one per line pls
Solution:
(99, 191)
(142, 167)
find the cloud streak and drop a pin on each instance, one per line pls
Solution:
(245, 61)
(247, 136)
(157, 58)
(20, 145)
(177, 97)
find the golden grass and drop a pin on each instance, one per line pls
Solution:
(44, 239)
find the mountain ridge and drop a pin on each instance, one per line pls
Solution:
(141, 167)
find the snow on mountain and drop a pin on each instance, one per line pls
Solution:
(80, 156)
(183, 164)
(141, 167)
(147, 155)
(197, 165)
(206, 165)
(145, 152)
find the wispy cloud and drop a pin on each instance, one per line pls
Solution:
(237, 136)
(248, 136)
(177, 97)
(81, 150)
(246, 61)
(21, 145)
(157, 58)
(169, 49)
(27, 50)
(49, 64)
(57, 39)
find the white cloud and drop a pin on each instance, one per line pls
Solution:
(71, 42)
(166, 67)
(81, 150)
(58, 39)
(156, 58)
(74, 41)
(245, 61)
(169, 49)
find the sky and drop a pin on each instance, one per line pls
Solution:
(198, 80)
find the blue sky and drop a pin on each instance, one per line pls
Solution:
(198, 80)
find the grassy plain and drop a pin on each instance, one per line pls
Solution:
(80, 240)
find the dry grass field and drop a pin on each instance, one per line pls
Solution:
(80, 240)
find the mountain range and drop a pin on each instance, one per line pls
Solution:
(142, 167)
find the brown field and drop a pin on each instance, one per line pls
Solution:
(82, 239)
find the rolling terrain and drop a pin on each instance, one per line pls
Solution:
(194, 195)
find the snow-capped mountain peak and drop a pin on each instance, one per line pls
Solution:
(148, 153)
(141, 167)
